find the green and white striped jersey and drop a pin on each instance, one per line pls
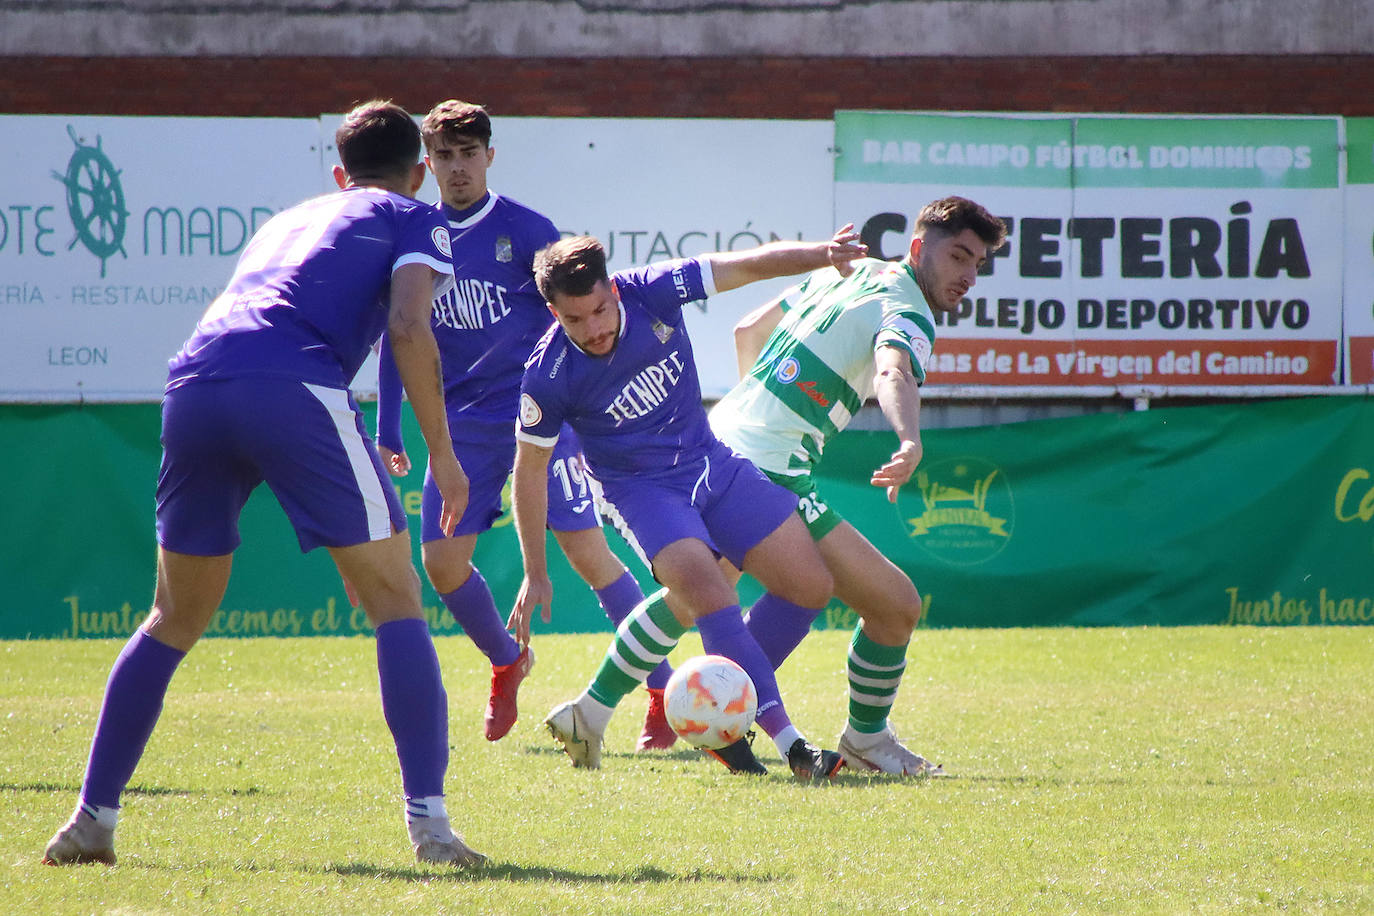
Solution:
(816, 370)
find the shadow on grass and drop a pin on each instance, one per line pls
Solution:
(524, 874)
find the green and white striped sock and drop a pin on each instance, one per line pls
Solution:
(875, 673)
(642, 640)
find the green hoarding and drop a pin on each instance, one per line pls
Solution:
(1258, 513)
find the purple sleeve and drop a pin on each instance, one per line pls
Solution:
(389, 400)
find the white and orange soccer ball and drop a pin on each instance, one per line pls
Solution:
(710, 701)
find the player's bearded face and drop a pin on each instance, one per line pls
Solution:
(946, 267)
(591, 321)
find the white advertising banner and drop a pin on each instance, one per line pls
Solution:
(115, 233)
(651, 189)
(1173, 251)
(1359, 251)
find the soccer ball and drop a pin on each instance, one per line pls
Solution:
(710, 701)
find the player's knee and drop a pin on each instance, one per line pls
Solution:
(813, 585)
(899, 613)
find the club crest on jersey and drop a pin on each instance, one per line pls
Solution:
(530, 414)
(787, 371)
(662, 331)
(440, 239)
(504, 252)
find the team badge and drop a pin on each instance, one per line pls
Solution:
(440, 238)
(787, 371)
(530, 414)
(662, 331)
(504, 252)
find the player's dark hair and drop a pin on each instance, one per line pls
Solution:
(571, 266)
(377, 139)
(952, 215)
(454, 118)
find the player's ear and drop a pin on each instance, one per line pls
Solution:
(417, 177)
(491, 154)
(340, 177)
(915, 248)
(615, 290)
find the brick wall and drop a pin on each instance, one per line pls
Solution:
(806, 88)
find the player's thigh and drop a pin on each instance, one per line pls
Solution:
(875, 587)
(788, 564)
(384, 576)
(688, 568)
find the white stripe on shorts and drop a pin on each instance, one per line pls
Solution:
(364, 473)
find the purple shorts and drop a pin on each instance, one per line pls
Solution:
(487, 454)
(724, 501)
(222, 438)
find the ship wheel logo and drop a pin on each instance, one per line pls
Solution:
(95, 201)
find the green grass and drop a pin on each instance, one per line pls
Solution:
(1113, 771)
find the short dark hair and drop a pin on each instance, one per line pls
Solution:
(570, 266)
(455, 118)
(952, 215)
(377, 139)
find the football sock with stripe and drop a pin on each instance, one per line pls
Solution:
(875, 673)
(133, 701)
(473, 606)
(414, 704)
(642, 643)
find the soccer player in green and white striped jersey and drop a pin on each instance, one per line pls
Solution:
(809, 360)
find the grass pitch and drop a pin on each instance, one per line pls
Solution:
(1205, 770)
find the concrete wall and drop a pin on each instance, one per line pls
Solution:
(682, 28)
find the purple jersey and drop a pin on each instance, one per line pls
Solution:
(637, 409)
(311, 291)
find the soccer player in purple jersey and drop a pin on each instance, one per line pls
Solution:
(486, 327)
(618, 368)
(259, 393)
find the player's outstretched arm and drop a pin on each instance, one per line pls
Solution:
(733, 269)
(417, 360)
(899, 397)
(530, 506)
(752, 332)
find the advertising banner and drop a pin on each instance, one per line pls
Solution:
(1260, 513)
(115, 233)
(1253, 514)
(1359, 250)
(656, 188)
(1181, 251)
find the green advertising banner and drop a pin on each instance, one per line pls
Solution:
(1257, 513)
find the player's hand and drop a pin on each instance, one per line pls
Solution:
(452, 484)
(845, 248)
(397, 463)
(535, 592)
(898, 469)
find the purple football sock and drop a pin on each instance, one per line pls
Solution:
(779, 626)
(723, 633)
(473, 606)
(415, 704)
(620, 597)
(133, 701)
